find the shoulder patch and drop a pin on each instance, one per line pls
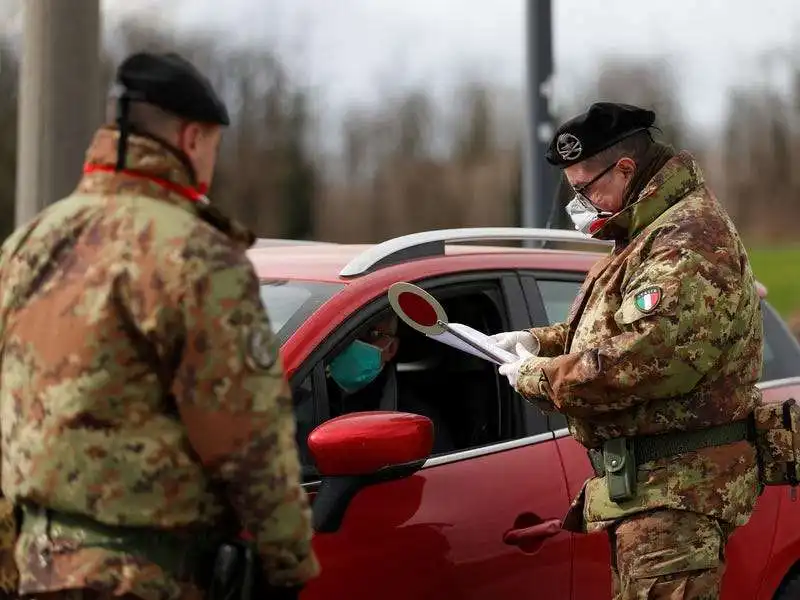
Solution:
(261, 352)
(647, 300)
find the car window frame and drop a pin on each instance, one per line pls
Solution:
(530, 286)
(516, 316)
(529, 279)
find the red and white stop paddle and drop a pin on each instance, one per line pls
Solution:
(422, 312)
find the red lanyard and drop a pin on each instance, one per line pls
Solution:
(190, 193)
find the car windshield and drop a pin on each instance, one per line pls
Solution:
(289, 303)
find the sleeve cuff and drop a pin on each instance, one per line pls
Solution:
(532, 381)
(549, 340)
(537, 344)
(288, 573)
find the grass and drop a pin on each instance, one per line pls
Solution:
(778, 268)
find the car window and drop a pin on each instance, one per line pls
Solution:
(469, 403)
(557, 297)
(289, 303)
(781, 349)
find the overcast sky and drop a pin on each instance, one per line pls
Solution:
(352, 49)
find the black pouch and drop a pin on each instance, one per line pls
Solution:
(239, 575)
(235, 572)
(777, 440)
(619, 461)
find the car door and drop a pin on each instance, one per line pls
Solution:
(479, 521)
(550, 295)
(768, 550)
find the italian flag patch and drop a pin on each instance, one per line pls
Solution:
(648, 299)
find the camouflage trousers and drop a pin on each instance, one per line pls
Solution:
(667, 555)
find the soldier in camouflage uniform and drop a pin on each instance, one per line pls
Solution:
(657, 363)
(145, 413)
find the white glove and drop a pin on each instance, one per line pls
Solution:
(511, 339)
(511, 370)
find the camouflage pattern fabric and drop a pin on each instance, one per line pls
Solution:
(9, 575)
(187, 593)
(665, 335)
(667, 555)
(142, 383)
(777, 431)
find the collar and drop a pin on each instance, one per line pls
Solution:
(152, 169)
(673, 182)
(189, 193)
(156, 171)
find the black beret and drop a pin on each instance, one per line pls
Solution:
(603, 125)
(173, 84)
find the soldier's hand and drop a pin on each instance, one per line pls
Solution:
(510, 340)
(511, 370)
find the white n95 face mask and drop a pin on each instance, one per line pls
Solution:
(583, 213)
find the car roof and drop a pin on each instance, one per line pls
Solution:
(311, 262)
(330, 262)
(325, 263)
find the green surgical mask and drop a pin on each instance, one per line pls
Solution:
(356, 367)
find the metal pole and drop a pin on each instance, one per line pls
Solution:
(60, 100)
(539, 181)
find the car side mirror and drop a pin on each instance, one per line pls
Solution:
(357, 450)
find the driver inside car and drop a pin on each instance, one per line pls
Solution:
(359, 380)
(361, 365)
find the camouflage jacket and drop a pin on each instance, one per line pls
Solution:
(665, 335)
(141, 381)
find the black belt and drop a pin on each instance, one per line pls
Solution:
(655, 447)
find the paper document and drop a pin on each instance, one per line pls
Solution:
(484, 341)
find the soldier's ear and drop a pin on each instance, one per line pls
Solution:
(190, 137)
(627, 166)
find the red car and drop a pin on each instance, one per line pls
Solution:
(480, 517)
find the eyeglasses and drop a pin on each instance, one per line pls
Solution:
(379, 338)
(582, 189)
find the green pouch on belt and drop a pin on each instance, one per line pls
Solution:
(619, 460)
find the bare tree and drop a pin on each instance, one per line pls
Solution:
(760, 145)
(410, 163)
(413, 126)
(475, 136)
